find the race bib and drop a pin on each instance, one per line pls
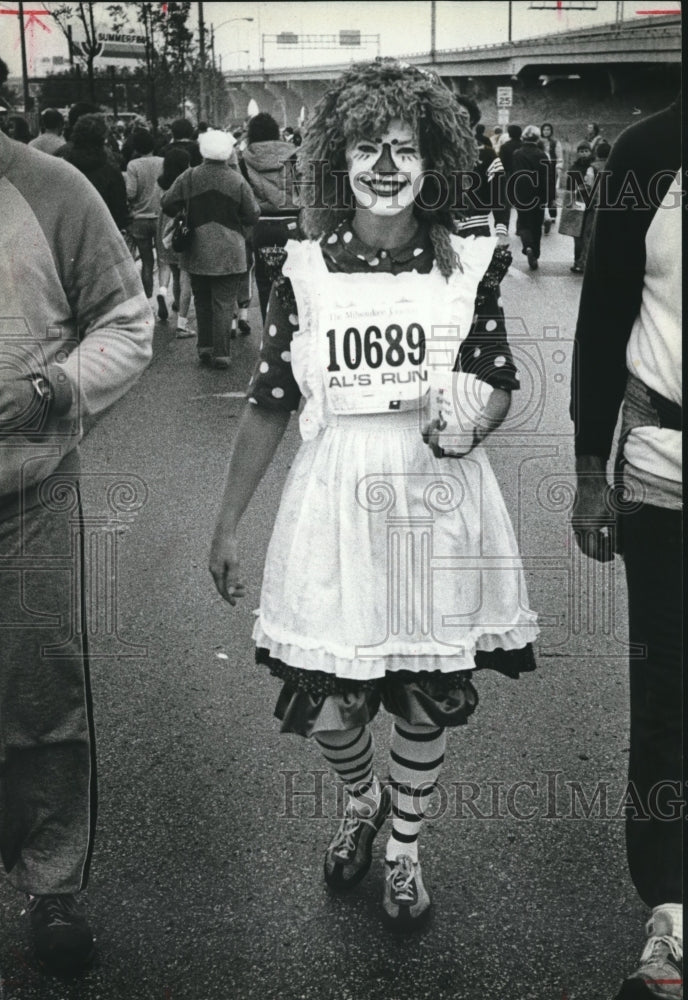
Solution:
(373, 358)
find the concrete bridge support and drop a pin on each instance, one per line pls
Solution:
(305, 94)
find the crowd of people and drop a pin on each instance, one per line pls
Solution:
(353, 273)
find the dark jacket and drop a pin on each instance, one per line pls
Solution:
(649, 151)
(221, 207)
(269, 169)
(580, 177)
(506, 154)
(96, 165)
(191, 147)
(532, 161)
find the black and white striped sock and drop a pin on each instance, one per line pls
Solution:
(350, 753)
(417, 753)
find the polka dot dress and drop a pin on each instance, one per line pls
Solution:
(484, 353)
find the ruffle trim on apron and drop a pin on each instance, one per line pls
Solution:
(496, 651)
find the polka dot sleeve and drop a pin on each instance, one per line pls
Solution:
(273, 385)
(485, 352)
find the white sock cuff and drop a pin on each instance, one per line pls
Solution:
(162, 290)
(675, 913)
(395, 849)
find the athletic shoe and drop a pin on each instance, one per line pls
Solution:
(183, 332)
(62, 937)
(162, 308)
(350, 852)
(244, 328)
(660, 972)
(175, 306)
(406, 903)
(222, 364)
(532, 259)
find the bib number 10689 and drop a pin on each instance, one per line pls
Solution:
(392, 347)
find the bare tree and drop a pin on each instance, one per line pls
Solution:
(66, 16)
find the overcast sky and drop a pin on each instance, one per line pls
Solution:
(403, 27)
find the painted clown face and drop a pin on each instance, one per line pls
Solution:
(385, 171)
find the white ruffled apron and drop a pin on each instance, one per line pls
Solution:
(384, 557)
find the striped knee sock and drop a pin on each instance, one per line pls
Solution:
(417, 753)
(350, 753)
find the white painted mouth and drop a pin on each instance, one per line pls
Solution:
(385, 187)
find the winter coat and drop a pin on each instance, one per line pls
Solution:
(530, 158)
(269, 169)
(221, 207)
(96, 165)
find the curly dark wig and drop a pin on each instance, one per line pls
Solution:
(360, 104)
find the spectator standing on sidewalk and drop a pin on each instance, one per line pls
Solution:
(80, 337)
(628, 357)
(221, 206)
(580, 182)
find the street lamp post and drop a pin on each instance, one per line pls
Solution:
(217, 27)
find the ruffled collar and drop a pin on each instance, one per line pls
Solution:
(347, 251)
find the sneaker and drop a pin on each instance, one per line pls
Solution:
(350, 852)
(62, 937)
(660, 972)
(406, 903)
(244, 328)
(162, 308)
(532, 259)
(222, 364)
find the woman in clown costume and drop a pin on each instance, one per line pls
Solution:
(393, 573)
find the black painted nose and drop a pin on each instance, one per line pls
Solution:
(385, 164)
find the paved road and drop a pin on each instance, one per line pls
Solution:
(206, 882)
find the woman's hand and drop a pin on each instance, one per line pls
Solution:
(463, 441)
(461, 445)
(224, 566)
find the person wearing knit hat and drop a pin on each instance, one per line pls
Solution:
(216, 144)
(220, 206)
(352, 315)
(531, 192)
